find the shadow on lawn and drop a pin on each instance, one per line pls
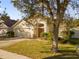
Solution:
(62, 57)
(65, 55)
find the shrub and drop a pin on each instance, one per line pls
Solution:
(67, 36)
(71, 33)
(46, 36)
(10, 34)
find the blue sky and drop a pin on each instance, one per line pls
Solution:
(10, 9)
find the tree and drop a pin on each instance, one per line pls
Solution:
(54, 8)
(4, 16)
(76, 23)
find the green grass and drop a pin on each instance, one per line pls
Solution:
(41, 50)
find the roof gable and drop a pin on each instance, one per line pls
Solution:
(19, 22)
(36, 17)
(2, 25)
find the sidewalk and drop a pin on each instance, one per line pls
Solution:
(8, 55)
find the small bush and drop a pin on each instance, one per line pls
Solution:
(71, 33)
(46, 36)
(67, 36)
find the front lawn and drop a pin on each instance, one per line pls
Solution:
(41, 50)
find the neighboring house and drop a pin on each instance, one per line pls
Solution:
(63, 28)
(3, 28)
(6, 26)
(23, 29)
(76, 32)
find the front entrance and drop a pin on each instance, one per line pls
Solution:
(40, 29)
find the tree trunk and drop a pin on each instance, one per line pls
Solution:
(55, 39)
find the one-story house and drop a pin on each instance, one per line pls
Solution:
(31, 27)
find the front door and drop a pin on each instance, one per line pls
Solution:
(40, 30)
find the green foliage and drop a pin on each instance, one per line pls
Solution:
(4, 17)
(66, 36)
(10, 34)
(71, 33)
(46, 36)
(76, 22)
(25, 6)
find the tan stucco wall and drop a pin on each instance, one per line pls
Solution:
(3, 29)
(23, 29)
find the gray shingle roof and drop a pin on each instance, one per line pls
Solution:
(9, 23)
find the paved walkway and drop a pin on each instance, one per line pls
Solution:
(9, 55)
